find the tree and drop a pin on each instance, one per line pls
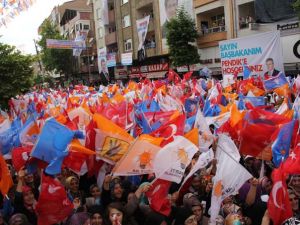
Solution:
(181, 34)
(296, 6)
(16, 73)
(54, 59)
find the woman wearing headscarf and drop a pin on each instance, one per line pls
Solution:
(72, 185)
(113, 191)
(96, 215)
(25, 201)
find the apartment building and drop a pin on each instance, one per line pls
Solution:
(127, 12)
(105, 29)
(75, 18)
(219, 20)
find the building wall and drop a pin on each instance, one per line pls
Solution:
(233, 11)
(97, 4)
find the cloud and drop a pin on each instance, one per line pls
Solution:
(21, 31)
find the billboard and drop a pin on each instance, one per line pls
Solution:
(252, 52)
(167, 10)
(64, 44)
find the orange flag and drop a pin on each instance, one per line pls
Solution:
(112, 141)
(193, 136)
(153, 140)
(6, 181)
(77, 147)
(236, 115)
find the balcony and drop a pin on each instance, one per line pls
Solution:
(150, 52)
(111, 16)
(199, 3)
(211, 36)
(111, 38)
(85, 68)
(142, 3)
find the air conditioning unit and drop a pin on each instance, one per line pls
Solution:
(253, 26)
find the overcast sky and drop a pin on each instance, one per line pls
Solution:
(23, 28)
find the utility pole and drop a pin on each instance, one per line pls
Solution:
(39, 60)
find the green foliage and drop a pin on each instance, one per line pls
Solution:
(42, 79)
(16, 73)
(181, 33)
(54, 59)
(296, 6)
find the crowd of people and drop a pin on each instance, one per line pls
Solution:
(247, 113)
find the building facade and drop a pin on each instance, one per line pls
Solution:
(219, 20)
(74, 18)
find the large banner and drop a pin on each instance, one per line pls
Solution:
(102, 63)
(142, 29)
(63, 44)
(261, 53)
(167, 10)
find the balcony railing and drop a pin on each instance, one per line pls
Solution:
(212, 30)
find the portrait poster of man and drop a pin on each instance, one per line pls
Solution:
(168, 9)
(102, 66)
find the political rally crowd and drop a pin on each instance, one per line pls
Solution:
(176, 151)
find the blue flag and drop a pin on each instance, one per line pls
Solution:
(10, 138)
(191, 105)
(52, 144)
(211, 110)
(148, 106)
(275, 82)
(189, 123)
(255, 101)
(246, 72)
(281, 146)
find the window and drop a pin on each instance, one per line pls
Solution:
(77, 27)
(86, 27)
(124, 1)
(218, 20)
(126, 21)
(128, 45)
(100, 32)
(80, 25)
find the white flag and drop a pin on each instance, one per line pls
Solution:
(171, 161)
(218, 121)
(206, 138)
(203, 160)
(230, 177)
(138, 159)
(225, 143)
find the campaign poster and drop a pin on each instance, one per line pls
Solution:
(168, 10)
(111, 60)
(102, 62)
(261, 53)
